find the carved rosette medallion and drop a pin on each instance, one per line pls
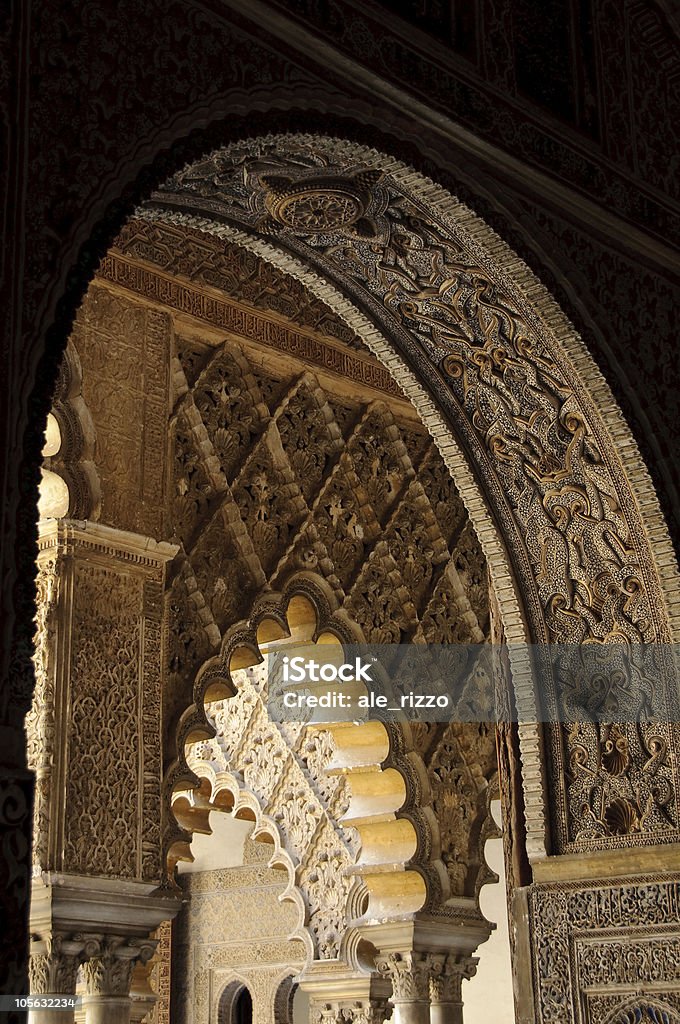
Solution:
(315, 206)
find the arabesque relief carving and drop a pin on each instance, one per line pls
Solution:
(352, 506)
(584, 931)
(101, 819)
(248, 750)
(40, 731)
(94, 728)
(125, 350)
(388, 534)
(224, 944)
(429, 277)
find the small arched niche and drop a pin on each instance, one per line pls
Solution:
(236, 1004)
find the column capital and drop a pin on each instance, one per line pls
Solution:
(53, 963)
(362, 1011)
(447, 975)
(111, 962)
(373, 1011)
(324, 1012)
(409, 973)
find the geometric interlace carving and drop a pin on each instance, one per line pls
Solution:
(283, 766)
(275, 476)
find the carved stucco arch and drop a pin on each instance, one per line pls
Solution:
(627, 565)
(221, 790)
(227, 997)
(396, 863)
(70, 456)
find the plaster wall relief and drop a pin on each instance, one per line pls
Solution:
(217, 944)
(94, 736)
(124, 349)
(389, 534)
(292, 454)
(40, 721)
(261, 490)
(509, 373)
(275, 475)
(96, 720)
(615, 942)
(298, 781)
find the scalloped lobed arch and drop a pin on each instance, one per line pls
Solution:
(395, 861)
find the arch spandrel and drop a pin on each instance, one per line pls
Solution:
(556, 473)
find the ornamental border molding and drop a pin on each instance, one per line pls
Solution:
(565, 915)
(105, 540)
(251, 324)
